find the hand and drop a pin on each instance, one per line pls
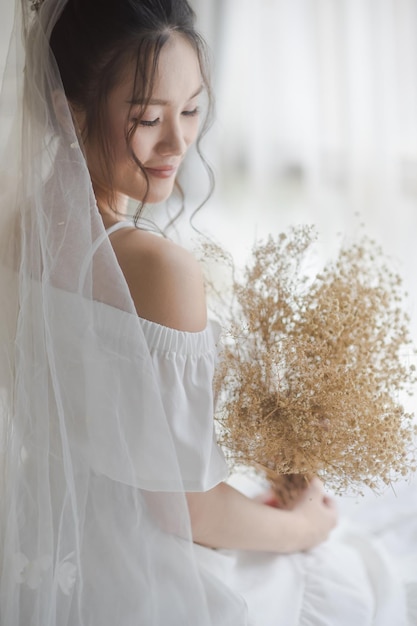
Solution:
(316, 515)
(286, 490)
(223, 517)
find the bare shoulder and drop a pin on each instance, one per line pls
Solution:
(164, 279)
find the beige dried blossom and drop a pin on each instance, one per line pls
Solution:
(312, 370)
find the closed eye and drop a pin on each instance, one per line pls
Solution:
(149, 122)
(192, 113)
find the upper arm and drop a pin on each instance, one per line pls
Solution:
(165, 280)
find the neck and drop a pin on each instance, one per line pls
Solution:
(110, 204)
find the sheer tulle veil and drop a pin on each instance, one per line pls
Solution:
(94, 523)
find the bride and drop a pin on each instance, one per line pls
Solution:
(115, 504)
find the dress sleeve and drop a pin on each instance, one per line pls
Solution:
(184, 364)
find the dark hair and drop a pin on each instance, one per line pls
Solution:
(94, 39)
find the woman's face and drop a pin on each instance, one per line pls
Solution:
(164, 132)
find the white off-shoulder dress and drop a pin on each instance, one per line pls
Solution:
(350, 580)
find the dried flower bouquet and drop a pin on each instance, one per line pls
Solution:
(312, 370)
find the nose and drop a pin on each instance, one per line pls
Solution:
(173, 141)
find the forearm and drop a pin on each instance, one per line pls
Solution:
(225, 518)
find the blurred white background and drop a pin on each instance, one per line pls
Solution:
(316, 122)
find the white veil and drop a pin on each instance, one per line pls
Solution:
(93, 518)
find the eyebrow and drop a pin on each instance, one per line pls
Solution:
(158, 102)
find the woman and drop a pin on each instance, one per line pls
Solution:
(112, 474)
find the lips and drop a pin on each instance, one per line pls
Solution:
(164, 171)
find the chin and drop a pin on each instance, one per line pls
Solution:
(159, 189)
(157, 193)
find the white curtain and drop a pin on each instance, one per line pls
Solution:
(316, 121)
(326, 89)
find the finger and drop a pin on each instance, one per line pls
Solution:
(315, 486)
(328, 501)
(316, 482)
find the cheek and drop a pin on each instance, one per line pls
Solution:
(124, 162)
(142, 145)
(192, 132)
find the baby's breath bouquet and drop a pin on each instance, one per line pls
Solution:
(312, 369)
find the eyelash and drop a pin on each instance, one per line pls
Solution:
(151, 123)
(192, 113)
(148, 122)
